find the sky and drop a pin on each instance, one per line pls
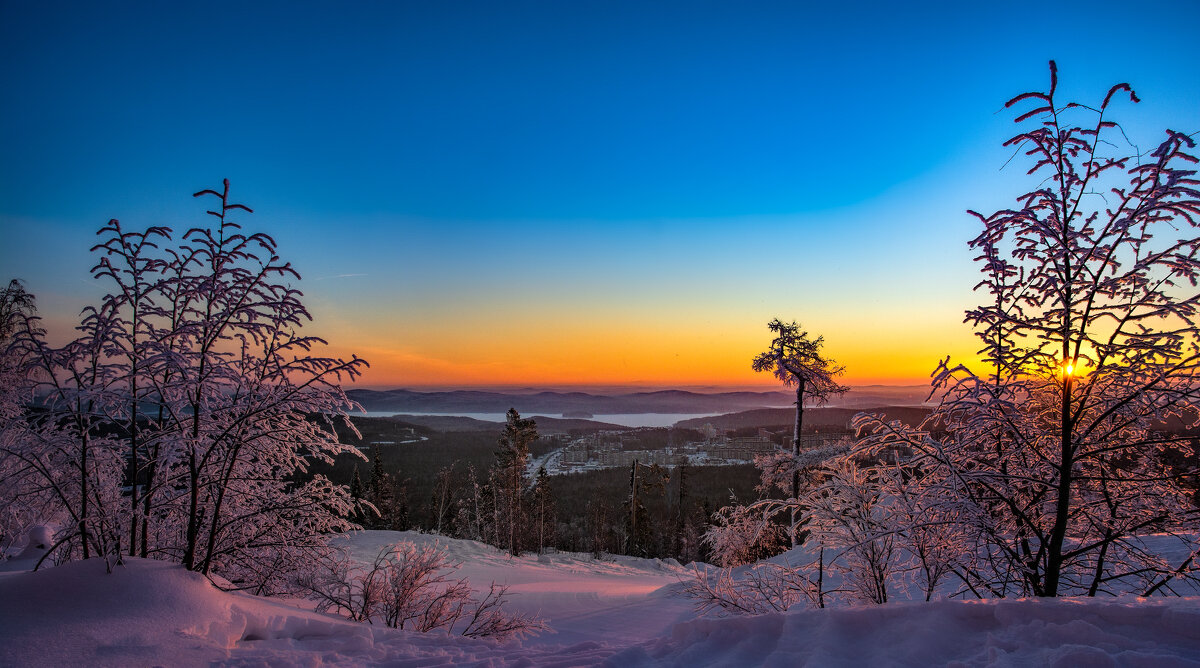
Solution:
(566, 194)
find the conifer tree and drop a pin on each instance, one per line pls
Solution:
(509, 480)
(356, 485)
(798, 361)
(399, 517)
(544, 513)
(377, 484)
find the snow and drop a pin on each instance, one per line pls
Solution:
(36, 543)
(1068, 632)
(584, 599)
(619, 611)
(154, 613)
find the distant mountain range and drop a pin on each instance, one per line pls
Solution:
(545, 425)
(819, 418)
(663, 401)
(473, 401)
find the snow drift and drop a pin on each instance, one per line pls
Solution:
(624, 612)
(1064, 632)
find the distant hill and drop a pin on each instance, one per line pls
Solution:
(869, 396)
(838, 418)
(577, 403)
(545, 425)
(473, 401)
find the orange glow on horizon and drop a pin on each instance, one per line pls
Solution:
(635, 341)
(617, 357)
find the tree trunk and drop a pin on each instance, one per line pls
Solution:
(633, 501)
(83, 491)
(145, 547)
(796, 453)
(1066, 456)
(193, 525)
(133, 470)
(1062, 505)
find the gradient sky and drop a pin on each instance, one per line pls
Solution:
(566, 193)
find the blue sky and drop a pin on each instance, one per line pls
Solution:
(707, 164)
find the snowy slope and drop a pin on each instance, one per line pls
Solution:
(623, 612)
(153, 613)
(620, 599)
(1018, 633)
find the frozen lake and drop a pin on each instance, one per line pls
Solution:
(624, 419)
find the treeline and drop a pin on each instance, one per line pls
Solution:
(449, 484)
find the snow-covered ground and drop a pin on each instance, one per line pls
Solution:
(620, 599)
(618, 612)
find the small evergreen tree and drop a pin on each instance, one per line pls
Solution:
(399, 515)
(508, 476)
(356, 495)
(356, 485)
(543, 509)
(376, 485)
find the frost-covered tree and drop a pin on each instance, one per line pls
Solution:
(128, 261)
(851, 515)
(21, 499)
(413, 587)
(16, 306)
(244, 390)
(181, 421)
(1057, 459)
(66, 448)
(1046, 472)
(796, 359)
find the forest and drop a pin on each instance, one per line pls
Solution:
(430, 485)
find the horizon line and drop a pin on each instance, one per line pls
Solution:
(610, 387)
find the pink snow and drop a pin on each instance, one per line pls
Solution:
(620, 611)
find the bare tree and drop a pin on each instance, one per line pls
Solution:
(445, 490)
(22, 500)
(851, 515)
(1057, 459)
(643, 480)
(182, 419)
(543, 508)
(16, 306)
(764, 587)
(128, 261)
(413, 587)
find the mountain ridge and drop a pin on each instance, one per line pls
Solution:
(402, 400)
